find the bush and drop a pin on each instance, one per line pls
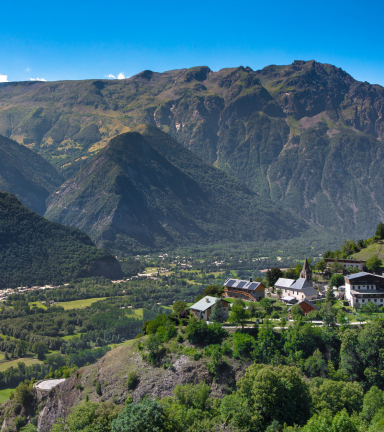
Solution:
(243, 345)
(98, 388)
(199, 332)
(132, 380)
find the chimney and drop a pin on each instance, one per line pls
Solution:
(250, 279)
(207, 300)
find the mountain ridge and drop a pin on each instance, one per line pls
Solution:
(133, 196)
(247, 123)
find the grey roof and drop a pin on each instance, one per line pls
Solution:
(305, 301)
(361, 274)
(285, 283)
(202, 305)
(300, 284)
(243, 284)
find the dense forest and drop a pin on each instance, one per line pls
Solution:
(35, 251)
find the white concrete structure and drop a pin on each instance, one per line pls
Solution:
(47, 385)
(364, 287)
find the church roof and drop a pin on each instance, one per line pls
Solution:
(304, 286)
(284, 283)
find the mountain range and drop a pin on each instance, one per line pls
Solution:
(305, 136)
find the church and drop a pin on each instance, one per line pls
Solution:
(300, 289)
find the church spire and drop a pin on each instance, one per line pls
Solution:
(306, 273)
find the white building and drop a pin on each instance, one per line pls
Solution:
(346, 263)
(364, 287)
(203, 308)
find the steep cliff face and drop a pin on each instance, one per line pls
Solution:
(112, 370)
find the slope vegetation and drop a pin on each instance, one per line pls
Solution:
(135, 196)
(26, 175)
(34, 250)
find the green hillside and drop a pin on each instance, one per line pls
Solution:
(375, 249)
(306, 135)
(34, 250)
(135, 196)
(26, 174)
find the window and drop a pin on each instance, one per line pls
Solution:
(362, 300)
(375, 300)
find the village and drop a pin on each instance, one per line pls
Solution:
(302, 296)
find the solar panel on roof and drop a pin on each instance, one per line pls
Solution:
(230, 282)
(252, 286)
(241, 284)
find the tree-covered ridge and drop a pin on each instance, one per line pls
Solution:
(34, 250)
(134, 196)
(26, 174)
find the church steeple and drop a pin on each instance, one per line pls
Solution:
(306, 273)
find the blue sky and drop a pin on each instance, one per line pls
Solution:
(84, 39)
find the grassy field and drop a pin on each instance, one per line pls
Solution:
(79, 304)
(27, 361)
(37, 304)
(4, 394)
(69, 337)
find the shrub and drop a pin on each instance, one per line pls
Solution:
(132, 380)
(199, 332)
(243, 345)
(98, 388)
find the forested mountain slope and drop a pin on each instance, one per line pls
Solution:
(34, 250)
(26, 174)
(134, 196)
(306, 135)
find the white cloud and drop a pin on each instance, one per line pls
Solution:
(121, 75)
(28, 69)
(3, 78)
(110, 76)
(37, 79)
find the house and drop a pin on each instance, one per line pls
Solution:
(364, 287)
(203, 308)
(346, 263)
(306, 307)
(242, 289)
(300, 289)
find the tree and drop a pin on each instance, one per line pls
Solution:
(336, 267)
(146, 416)
(218, 314)
(315, 365)
(40, 348)
(330, 295)
(243, 345)
(268, 390)
(337, 395)
(253, 310)
(29, 428)
(312, 315)
(273, 275)
(336, 280)
(290, 273)
(352, 270)
(374, 264)
(213, 291)
(266, 305)
(327, 313)
(239, 315)
(373, 402)
(380, 231)
(179, 306)
(154, 347)
(296, 312)
(321, 266)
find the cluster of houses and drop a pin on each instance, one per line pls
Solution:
(360, 288)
